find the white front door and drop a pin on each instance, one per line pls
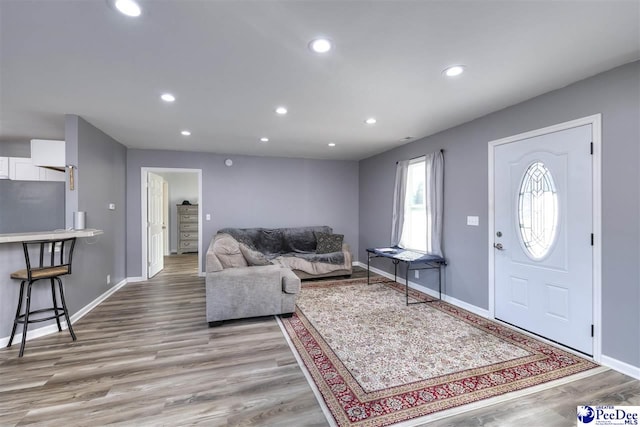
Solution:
(543, 225)
(155, 251)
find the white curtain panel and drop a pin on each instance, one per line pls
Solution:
(399, 195)
(434, 197)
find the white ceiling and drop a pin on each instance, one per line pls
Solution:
(230, 63)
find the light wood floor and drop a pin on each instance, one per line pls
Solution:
(147, 357)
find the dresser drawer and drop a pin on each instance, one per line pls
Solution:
(189, 244)
(188, 210)
(189, 226)
(189, 236)
(188, 218)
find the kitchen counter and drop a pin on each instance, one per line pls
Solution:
(48, 235)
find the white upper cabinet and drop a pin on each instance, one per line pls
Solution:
(48, 152)
(4, 168)
(51, 175)
(23, 169)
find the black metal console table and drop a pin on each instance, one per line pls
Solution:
(413, 260)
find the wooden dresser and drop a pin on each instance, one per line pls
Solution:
(187, 228)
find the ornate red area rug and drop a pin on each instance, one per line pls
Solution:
(376, 361)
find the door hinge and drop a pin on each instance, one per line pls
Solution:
(592, 239)
(592, 329)
(591, 148)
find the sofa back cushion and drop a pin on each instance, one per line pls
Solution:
(302, 239)
(275, 241)
(248, 236)
(227, 249)
(270, 241)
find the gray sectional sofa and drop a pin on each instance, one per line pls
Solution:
(256, 271)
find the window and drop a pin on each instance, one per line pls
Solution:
(537, 210)
(414, 229)
(416, 221)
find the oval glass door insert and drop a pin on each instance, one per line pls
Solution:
(537, 210)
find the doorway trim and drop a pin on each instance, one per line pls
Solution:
(596, 133)
(143, 214)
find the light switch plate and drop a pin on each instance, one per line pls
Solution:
(112, 206)
(207, 217)
(473, 220)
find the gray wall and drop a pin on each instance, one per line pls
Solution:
(27, 206)
(102, 159)
(615, 94)
(254, 192)
(15, 148)
(100, 180)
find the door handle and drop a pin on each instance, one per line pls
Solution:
(498, 246)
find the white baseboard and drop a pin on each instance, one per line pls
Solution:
(453, 301)
(625, 368)
(135, 279)
(50, 329)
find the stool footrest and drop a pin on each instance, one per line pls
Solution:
(61, 313)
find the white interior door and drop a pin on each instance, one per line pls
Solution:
(155, 235)
(165, 217)
(543, 217)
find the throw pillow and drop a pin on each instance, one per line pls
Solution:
(328, 242)
(253, 257)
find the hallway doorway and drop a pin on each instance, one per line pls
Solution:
(181, 187)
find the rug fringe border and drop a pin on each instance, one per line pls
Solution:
(314, 388)
(483, 403)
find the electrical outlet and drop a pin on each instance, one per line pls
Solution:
(417, 274)
(108, 279)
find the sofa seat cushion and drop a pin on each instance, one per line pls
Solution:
(329, 258)
(312, 268)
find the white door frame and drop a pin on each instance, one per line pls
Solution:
(596, 128)
(143, 211)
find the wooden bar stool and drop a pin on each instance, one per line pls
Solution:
(59, 264)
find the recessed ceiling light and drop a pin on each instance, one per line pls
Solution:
(370, 121)
(454, 70)
(332, 144)
(264, 139)
(128, 7)
(167, 97)
(185, 133)
(320, 45)
(281, 110)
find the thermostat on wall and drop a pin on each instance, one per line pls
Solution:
(228, 162)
